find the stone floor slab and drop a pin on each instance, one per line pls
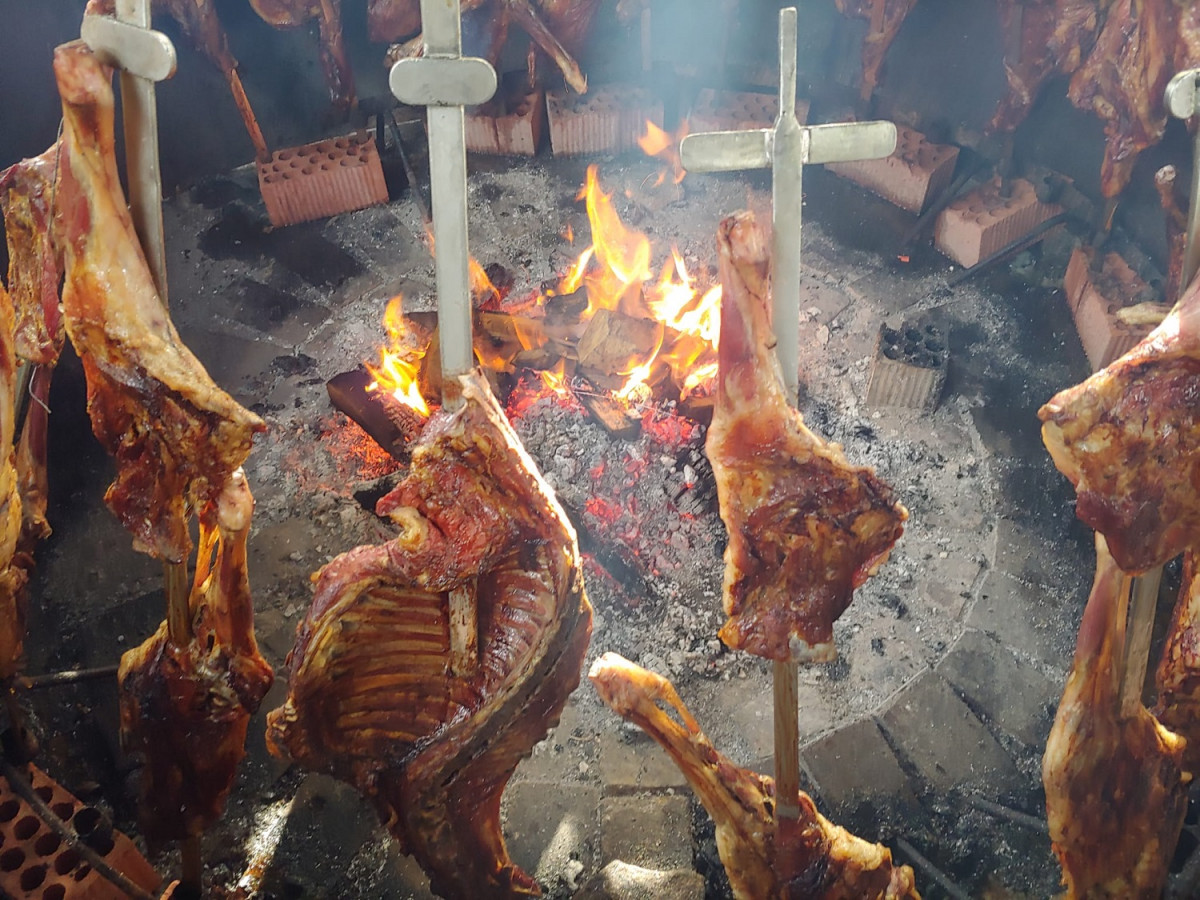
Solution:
(927, 719)
(1014, 695)
(622, 881)
(1029, 619)
(629, 761)
(654, 831)
(853, 763)
(549, 824)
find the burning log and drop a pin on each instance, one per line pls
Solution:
(612, 342)
(390, 423)
(615, 418)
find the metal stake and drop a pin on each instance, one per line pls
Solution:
(786, 149)
(445, 81)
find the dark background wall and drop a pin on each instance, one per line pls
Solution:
(944, 74)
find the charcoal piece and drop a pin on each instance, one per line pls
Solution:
(611, 416)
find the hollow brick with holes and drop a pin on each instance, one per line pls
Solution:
(515, 132)
(913, 175)
(607, 119)
(318, 180)
(1095, 294)
(988, 219)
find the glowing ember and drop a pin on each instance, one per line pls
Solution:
(400, 361)
(656, 142)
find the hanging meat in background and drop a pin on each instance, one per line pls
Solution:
(13, 575)
(1127, 437)
(805, 527)
(1122, 81)
(185, 708)
(328, 15)
(1042, 38)
(428, 667)
(830, 862)
(176, 437)
(884, 18)
(1178, 674)
(1116, 791)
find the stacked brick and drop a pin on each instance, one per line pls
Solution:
(35, 863)
(737, 111)
(913, 175)
(909, 367)
(512, 128)
(990, 218)
(607, 119)
(1095, 295)
(314, 181)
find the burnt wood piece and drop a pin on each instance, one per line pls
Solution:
(613, 417)
(614, 343)
(392, 425)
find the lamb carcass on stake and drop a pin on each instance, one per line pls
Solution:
(381, 692)
(1116, 790)
(185, 708)
(805, 527)
(832, 863)
(13, 574)
(1126, 438)
(335, 63)
(176, 436)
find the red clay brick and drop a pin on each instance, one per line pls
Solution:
(300, 184)
(607, 119)
(513, 128)
(1098, 295)
(737, 111)
(910, 177)
(977, 225)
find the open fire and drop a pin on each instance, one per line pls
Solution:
(625, 329)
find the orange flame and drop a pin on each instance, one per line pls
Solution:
(400, 361)
(658, 143)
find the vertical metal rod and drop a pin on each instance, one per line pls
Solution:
(442, 28)
(786, 219)
(787, 186)
(191, 867)
(140, 119)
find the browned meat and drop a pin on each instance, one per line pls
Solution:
(805, 527)
(34, 262)
(1176, 222)
(1123, 80)
(176, 436)
(884, 18)
(12, 574)
(334, 61)
(1178, 675)
(185, 709)
(1044, 38)
(829, 862)
(1116, 791)
(383, 693)
(391, 20)
(1126, 439)
(1187, 35)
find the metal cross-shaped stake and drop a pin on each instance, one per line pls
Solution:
(445, 81)
(786, 148)
(1182, 100)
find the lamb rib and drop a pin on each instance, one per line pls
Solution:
(1126, 439)
(805, 527)
(1116, 792)
(176, 436)
(186, 708)
(825, 862)
(378, 695)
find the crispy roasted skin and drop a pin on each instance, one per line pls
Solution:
(34, 262)
(1178, 674)
(372, 698)
(1122, 82)
(1051, 37)
(1116, 791)
(1127, 437)
(13, 574)
(825, 861)
(885, 18)
(176, 436)
(805, 527)
(335, 63)
(185, 709)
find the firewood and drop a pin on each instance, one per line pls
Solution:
(391, 424)
(613, 343)
(614, 418)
